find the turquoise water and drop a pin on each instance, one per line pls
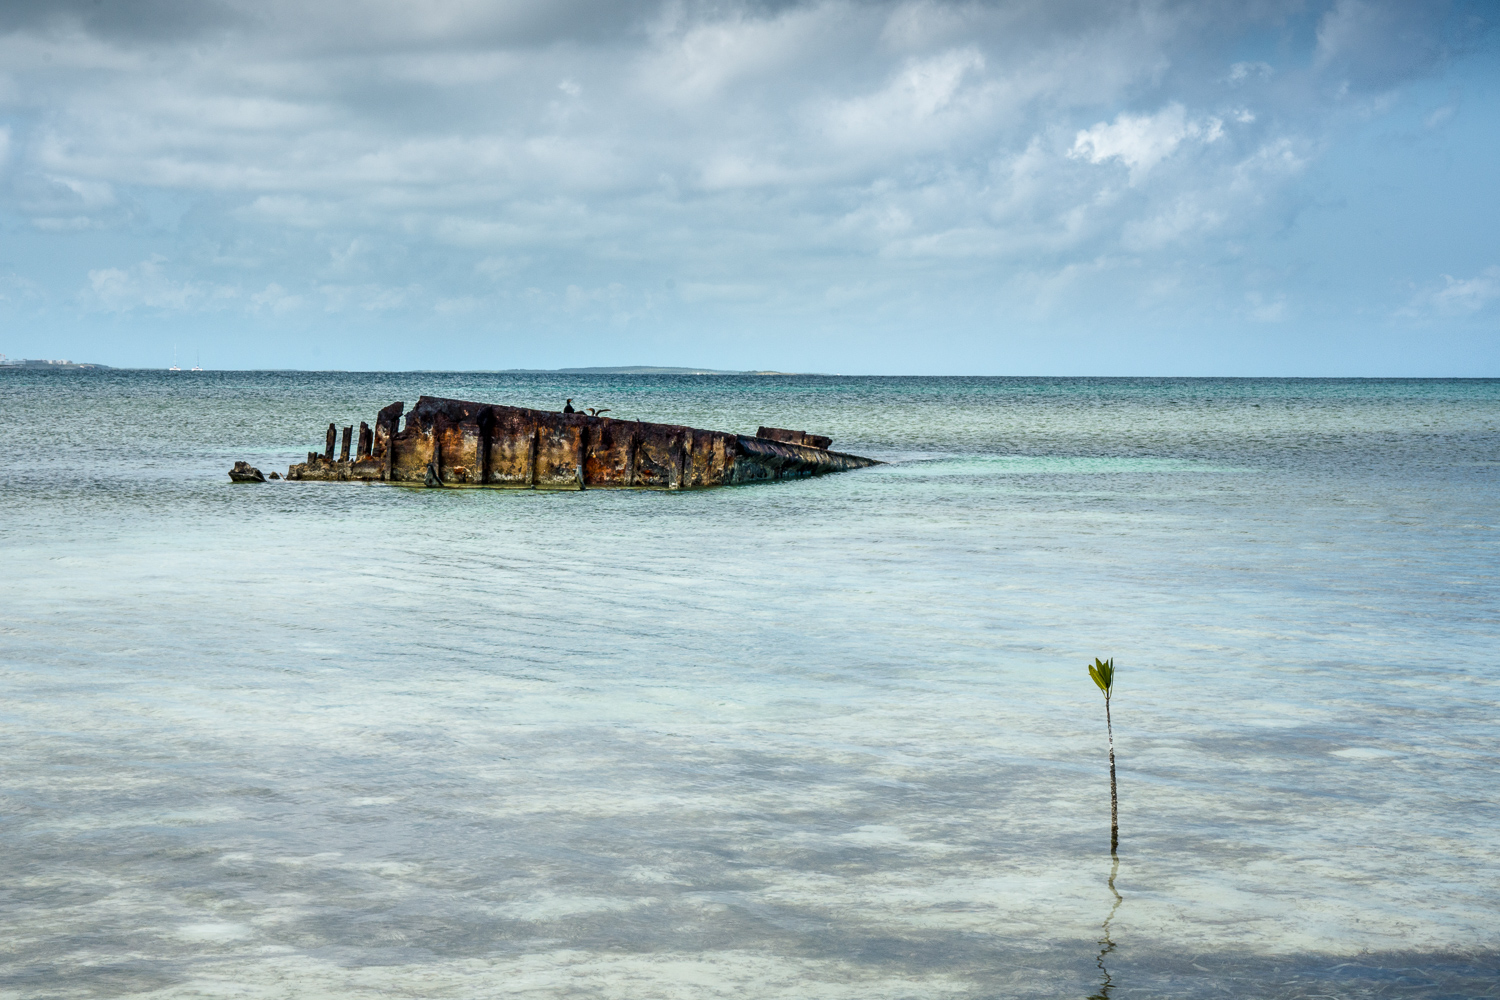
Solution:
(825, 738)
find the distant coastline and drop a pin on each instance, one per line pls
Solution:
(633, 370)
(17, 364)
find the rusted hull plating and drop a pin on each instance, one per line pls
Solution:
(451, 442)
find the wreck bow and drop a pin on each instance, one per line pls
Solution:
(451, 442)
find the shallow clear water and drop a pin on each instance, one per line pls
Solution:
(824, 738)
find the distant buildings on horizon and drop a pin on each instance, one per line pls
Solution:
(43, 363)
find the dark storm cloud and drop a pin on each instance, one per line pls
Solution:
(339, 23)
(1380, 43)
(122, 20)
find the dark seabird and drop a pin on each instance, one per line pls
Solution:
(568, 407)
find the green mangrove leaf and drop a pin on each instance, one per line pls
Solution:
(1103, 673)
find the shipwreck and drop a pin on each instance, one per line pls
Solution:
(451, 442)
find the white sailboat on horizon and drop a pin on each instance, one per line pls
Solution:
(174, 367)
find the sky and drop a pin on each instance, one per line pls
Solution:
(1038, 187)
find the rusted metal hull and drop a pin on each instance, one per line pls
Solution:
(451, 442)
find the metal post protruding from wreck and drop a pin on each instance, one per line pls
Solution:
(451, 442)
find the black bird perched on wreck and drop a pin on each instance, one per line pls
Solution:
(568, 407)
(594, 413)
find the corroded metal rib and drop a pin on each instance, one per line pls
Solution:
(453, 442)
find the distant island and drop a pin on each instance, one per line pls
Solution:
(631, 370)
(16, 363)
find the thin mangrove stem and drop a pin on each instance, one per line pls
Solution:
(1114, 796)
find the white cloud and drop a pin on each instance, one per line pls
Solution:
(693, 61)
(1453, 298)
(276, 300)
(463, 305)
(1243, 72)
(148, 285)
(1267, 309)
(911, 108)
(1142, 141)
(379, 158)
(501, 267)
(61, 204)
(370, 297)
(1466, 296)
(697, 291)
(1186, 216)
(738, 170)
(14, 289)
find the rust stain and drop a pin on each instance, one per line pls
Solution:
(452, 442)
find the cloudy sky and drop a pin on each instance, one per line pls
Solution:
(1257, 187)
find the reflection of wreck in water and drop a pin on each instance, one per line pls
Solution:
(450, 442)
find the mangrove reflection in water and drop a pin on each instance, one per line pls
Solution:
(1106, 943)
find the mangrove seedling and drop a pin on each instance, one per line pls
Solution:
(1103, 673)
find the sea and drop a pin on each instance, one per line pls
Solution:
(823, 738)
